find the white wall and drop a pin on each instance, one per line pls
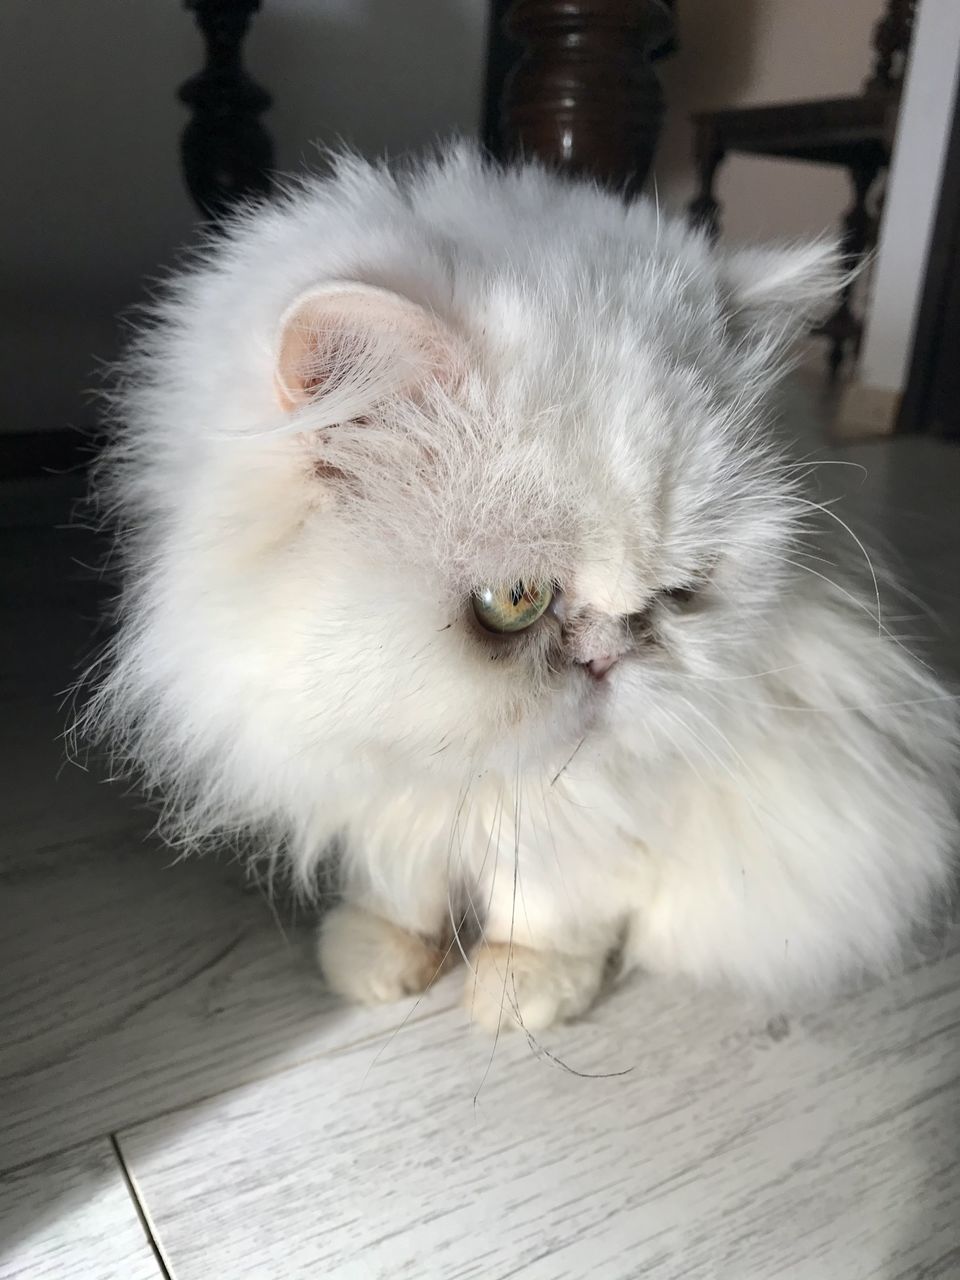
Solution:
(93, 201)
(911, 203)
(736, 53)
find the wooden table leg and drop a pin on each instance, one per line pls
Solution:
(225, 151)
(584, 95)
(843, 328)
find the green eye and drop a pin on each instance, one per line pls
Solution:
(505, 609)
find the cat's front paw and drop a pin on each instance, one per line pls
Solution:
(371, 960)
(512, 986)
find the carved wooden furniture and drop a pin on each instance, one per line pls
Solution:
(570, 81)
(856, 133)
(225, 151)
(573, 82)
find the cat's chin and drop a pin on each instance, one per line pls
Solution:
(548, 736)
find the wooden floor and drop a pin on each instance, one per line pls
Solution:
(178, 1095)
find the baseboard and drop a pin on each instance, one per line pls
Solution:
(865, 412)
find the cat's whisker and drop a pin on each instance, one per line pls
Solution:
(545, 802)
(518, 816)
(456, 940)
(414, 1006)
(883, 630)
(539, 1050)
(678, 744)
(819, 506)
(838, 708)
(700, 678)
(808, 464)
(455, 924)
(720, 734)
(508, 966)
(467, 879)
(738, 783)
(764, 819)
(568, 762)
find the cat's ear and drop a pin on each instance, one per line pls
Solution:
(780, 290)
(345, 347)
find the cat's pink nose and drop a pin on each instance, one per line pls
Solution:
(598, 667)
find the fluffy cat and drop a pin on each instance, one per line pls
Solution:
(457, 545)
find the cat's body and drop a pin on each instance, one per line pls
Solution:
(461, 547)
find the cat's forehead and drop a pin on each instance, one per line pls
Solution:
(577, 462)
(552, 494)
(600, 339)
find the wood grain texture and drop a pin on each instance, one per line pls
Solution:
(72, 1215)
(131, 987)
(738, 1146)
(131, 984)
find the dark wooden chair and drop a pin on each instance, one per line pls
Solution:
(856, 133)
(574, 82)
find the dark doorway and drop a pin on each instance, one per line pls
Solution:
(931, 402)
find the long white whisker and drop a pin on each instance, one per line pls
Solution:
(454, 941)
(840, 706)
(818, 506)
(508, 967)
(680, 747)
(720, 734)
(718, 759)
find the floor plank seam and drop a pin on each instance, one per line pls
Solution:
(199, 1099)
(141, 1211)
(288, 1067)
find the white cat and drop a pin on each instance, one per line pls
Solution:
(456, 541)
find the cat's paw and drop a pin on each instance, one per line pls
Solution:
(371, 960)
(511, 986)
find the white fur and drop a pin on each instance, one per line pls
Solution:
(556, 386)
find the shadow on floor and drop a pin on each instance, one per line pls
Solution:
(131, 984)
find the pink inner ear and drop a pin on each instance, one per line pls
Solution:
(354, 344)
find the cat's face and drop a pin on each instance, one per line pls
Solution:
(499, 556)
(501, 490)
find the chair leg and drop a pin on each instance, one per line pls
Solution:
(226, 153)
(704, 209)
(843, 328)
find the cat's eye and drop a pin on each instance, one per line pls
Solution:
(508, 609)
